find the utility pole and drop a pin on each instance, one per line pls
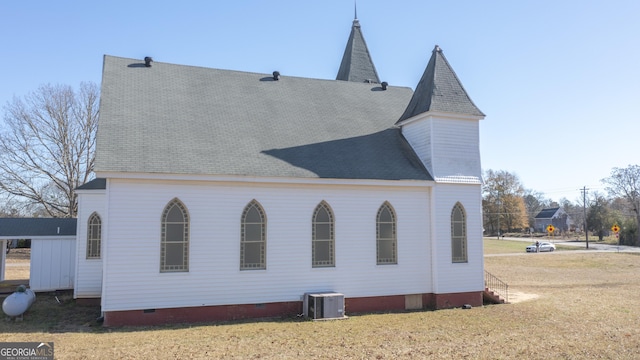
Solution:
(584, 206)
(499, 214)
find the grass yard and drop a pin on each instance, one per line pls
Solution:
(495, 246)
(583, 305)
(19, 255)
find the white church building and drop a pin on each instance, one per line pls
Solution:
(223, 194)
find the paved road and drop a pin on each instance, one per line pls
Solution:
(593, 246)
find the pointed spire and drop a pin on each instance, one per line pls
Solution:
(440, 89)
(355, 10)
(356, 63)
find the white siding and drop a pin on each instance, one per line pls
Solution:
(133, 281)
(448, 147)
(418, 134)
(452, 277)
(88, 282)
(52, 264)
(456, 149)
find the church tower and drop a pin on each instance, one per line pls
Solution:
(442, 124)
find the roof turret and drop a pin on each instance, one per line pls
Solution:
(440, 89)
(356, 63)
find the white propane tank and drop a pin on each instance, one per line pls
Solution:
(18, 302)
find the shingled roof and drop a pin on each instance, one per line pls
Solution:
(440, 89)
(176, 119)
(95, 184)
(357, 64)
(547, 213)
(30, 227)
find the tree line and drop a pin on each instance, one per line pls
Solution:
(509, 207)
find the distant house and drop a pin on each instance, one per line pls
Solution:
(225, 194)
(552, 216)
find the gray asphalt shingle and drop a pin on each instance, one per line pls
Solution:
(95, 184)
(547, 213)
(27, 227)
(180, 119)
(440, 89)
(357, 64)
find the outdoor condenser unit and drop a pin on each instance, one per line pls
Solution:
(319, 306)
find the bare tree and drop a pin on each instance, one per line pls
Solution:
(625, 183)
(6, 210)
(503, 202)
(47, 146)
(600, 217)
(534, 202)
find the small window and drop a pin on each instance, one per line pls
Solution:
(253, 237)
(323, 240)
(94, 236)
(386, 239)
(458, 234)
(174, 253)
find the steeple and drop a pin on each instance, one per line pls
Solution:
(440, 89)
(356, 62)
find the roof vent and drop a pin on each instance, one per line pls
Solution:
(384, 85)
(147, 61)
(276, 75)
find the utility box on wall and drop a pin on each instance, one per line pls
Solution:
(318, 306)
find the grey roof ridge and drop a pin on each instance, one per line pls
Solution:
(282, 76)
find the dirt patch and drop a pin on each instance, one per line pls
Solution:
(18, 264)
(517, 296)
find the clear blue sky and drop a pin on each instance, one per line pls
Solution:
(558, 80)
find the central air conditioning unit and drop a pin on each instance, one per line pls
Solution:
(319, 306)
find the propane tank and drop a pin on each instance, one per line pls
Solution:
(18, 302)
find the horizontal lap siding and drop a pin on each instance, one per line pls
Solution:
(459, 277)
(448, 147)
(133, 280)
(418, 134)
(456, 148)
(89, 271)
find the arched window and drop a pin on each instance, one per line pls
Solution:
(174, 251)
(323, 238)
(94, 236)
(386, 239)
(458, 234)
(253, 239)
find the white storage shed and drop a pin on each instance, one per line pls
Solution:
(53, 247)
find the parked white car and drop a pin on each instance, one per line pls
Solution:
(544, 246)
